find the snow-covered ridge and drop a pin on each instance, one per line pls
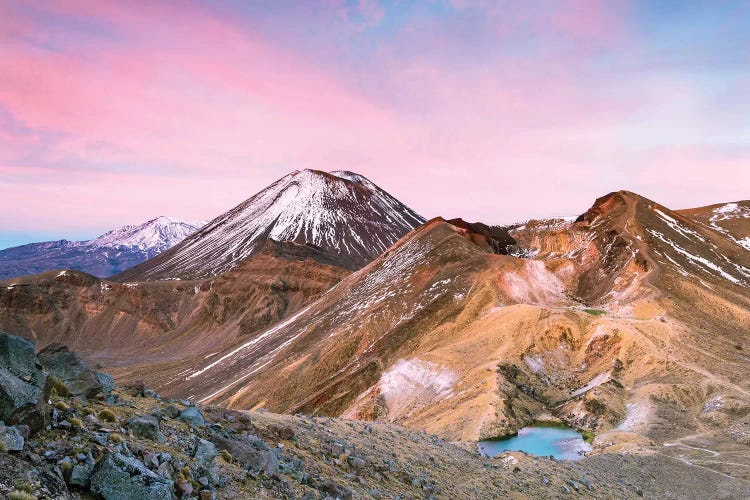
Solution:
(109, 254)
(340, 212)
(156, 234)
(730, 211)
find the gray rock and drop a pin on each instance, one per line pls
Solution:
(117, 477)
(24, 386)
(336, 449)
(71, 369)
(107, 382)
(151, 460)
(11, 438)
(150, 393)
(165, 470)
(100, 438)
(171, 411)
(193, 417)
(80, 476)
(17, 358)
(205, 451)
(333, 489)
(144, 426)
(248, 450)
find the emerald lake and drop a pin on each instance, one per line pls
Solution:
(562, 443)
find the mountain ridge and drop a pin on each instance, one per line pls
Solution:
(103, 256)
(612, 323)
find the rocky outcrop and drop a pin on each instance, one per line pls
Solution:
(11, 438)
(192, 416)
(251, 452)
(27, 381)
(144, 426)
(494, 239)
(72, 370)
(119, 477)
(24, 386)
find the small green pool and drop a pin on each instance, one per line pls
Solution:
(563, 443)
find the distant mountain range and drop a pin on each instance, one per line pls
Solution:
(104, 256)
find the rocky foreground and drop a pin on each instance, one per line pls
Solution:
(68, 433)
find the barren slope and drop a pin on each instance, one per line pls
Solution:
(625, 322)
(125, 324)
(730, 219)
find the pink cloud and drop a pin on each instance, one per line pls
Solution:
(128, 110)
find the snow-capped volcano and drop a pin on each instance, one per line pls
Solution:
(342, 213)
(104, 256)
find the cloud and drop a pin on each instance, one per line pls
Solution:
(492, 111)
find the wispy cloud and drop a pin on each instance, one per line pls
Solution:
(113, 112)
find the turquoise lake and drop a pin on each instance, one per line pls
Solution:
(563, 443)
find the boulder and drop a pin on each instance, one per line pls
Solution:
(17, 357)
(118, 477)
(193, 417)
(24, 386)
(72, 370)
(11, 438)
(251, 452)
(80, 475)
(144, 426)
(165, 470)
(205, 451)
(333, 489)
(171, 411)
(107, 382)
(183, 489)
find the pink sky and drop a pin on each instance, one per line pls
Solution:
(113, 113)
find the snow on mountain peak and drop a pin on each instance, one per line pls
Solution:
(155, 235)
(104, 256)
(340, 212)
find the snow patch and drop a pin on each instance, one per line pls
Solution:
(707, 264)
(680, 228)
(744, 242)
